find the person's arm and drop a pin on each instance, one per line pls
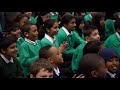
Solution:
(25, 57)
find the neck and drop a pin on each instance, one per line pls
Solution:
(8, 57)
(50, 35)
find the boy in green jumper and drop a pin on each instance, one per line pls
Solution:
(29, 48)
(9, 65)
(113, 41)
(90, 35)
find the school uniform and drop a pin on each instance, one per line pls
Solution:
(10, 68)
(71, 38)
(47, 40)
(54, 15)
(113, 41)
(32, 20)
(88, 18)
(57, 73)
(77, 56)
(109, 27)
(19, 42)
(28, 53)
(111, 75)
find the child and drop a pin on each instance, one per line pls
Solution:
(92, 66)
(41, 69)
(113, 41)
(112, 62)
(50, 31)
(9, 65)
(29, 49)
(90, 34)
(53, 55)
(93, 47)
(13, 29)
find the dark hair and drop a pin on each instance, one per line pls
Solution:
(88, 63)
(96, 22)
(6, 41)
(79, 19)
(44, 52)
(11, 26)
(66, 19)
(20, 16)
(26, 27)
(47, 24)
(92, 47)
(117, 24)
(36, 66)
(40, 22)
(88, 31)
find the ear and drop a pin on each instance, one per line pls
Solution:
(31, 76)
(94, 74)
(87, 38)
(47, 30)
(26, 34)
(50, 60)
(3, 51)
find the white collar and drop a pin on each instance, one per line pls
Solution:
(57, 71)
(5, 59)
(50, 38)
(111, 75)
(90, 15)
(19, 38)
(118, 35)
(32, 42)
(66, 31)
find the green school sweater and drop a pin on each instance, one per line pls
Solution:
(113, 42)
(28, 53)
(109, 27)
(33, 20)
(82, 39)
(10, 70)
(87, 18)
(45, 42)
(77, 56)
(71, 40)
(19, 42)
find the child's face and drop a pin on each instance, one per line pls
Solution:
(23, 21)
(11, 51)
(94, 35)
(33, 33)
(71, 25)
(81, 26)
(43, 74)
(112, 64)
(54, 30)
(16, 33)
(102, 21)
(56, 57)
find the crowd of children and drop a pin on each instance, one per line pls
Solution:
(59, 45)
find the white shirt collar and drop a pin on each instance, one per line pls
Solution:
(118, 35)
(111, 75)
(66, 31)
(57, 71)
(90, 15)
(32, 42)
(5, 59)
(50, 38)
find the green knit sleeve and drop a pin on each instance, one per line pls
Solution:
(25, 58)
